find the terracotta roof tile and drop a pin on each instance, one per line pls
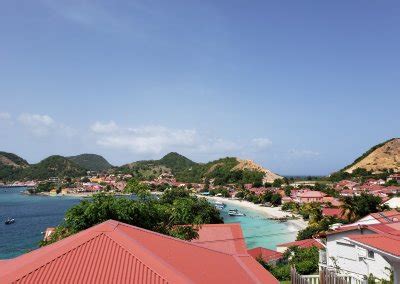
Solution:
(303, 244)
(266, 254)
(114, 252)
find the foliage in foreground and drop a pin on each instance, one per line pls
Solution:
(304, 259)
(165, 215)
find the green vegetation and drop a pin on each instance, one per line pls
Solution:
(221, 172)
(354, 208)
(357, 207)
(305, 260)
(185, 170)
(91, 162)
(175, 213)
(11, 166)
(176, 162)
(18, 161)
(53, 166)
(267, 197)
(171, 163)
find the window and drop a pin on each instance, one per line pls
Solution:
(371, 254)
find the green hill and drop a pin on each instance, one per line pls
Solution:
(176, 162)
(91, 162)
(222, 171)
(11, 166)
(53, 166)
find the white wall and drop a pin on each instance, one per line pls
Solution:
(348, 260)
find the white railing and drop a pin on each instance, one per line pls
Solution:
(352, 279)
(315, 279)
(311, 279)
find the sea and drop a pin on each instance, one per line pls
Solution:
(33, 214)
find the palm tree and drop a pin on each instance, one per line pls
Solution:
(349, 209)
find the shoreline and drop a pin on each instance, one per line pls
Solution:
(269, 212)
(77, 195)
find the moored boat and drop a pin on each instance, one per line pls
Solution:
(9, 221)
(219, 204)
(235, 212)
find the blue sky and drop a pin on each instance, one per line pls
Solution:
(302, 87)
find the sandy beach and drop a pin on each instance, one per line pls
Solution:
(269, 212)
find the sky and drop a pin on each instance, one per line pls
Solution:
(301, 87)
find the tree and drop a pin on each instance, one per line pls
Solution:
(177, 214)
(278, 182)
(357, 207)
(140, 189)
(288, 190)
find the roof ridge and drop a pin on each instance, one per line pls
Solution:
(63, 254)
(128, 251)
(176, 239)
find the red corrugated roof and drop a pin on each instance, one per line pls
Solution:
(387, 216)
(223, 237)
(311, 194)
(266, 254)
(303, 244)
(120, 253)
(384, 242)
(334, 212)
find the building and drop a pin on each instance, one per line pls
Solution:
(395, 177)
(378, 218)
(384, 245)
(360, 250)
(308, 196)
(267, 255)
(333, 212)
(302, 244)
(393, 202)
(120, 253)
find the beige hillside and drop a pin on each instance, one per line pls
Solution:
(250, 165)
(385, 156)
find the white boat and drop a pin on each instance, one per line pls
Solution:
(235, 212)
(9, 221)
(220, 204)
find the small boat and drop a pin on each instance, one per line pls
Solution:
(9, 221)
(235, 212)
(220, 204)
(219, 207)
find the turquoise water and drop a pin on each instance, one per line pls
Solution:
(33, 214)
(258, 230)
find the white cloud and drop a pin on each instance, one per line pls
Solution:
(261, 142)
(144, 140)
(43, 125)
(5, 116)
(38, 124)
(103, 128)
(154, 140)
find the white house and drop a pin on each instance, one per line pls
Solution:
(354, 250)
(378, 218)
(393, 202)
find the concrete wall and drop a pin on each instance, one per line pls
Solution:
(347, 257)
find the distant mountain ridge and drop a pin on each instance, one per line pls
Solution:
(91, 162)
(12, 160)
(53, 166)
(13, 167)
(222, 171)
(384, 156)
